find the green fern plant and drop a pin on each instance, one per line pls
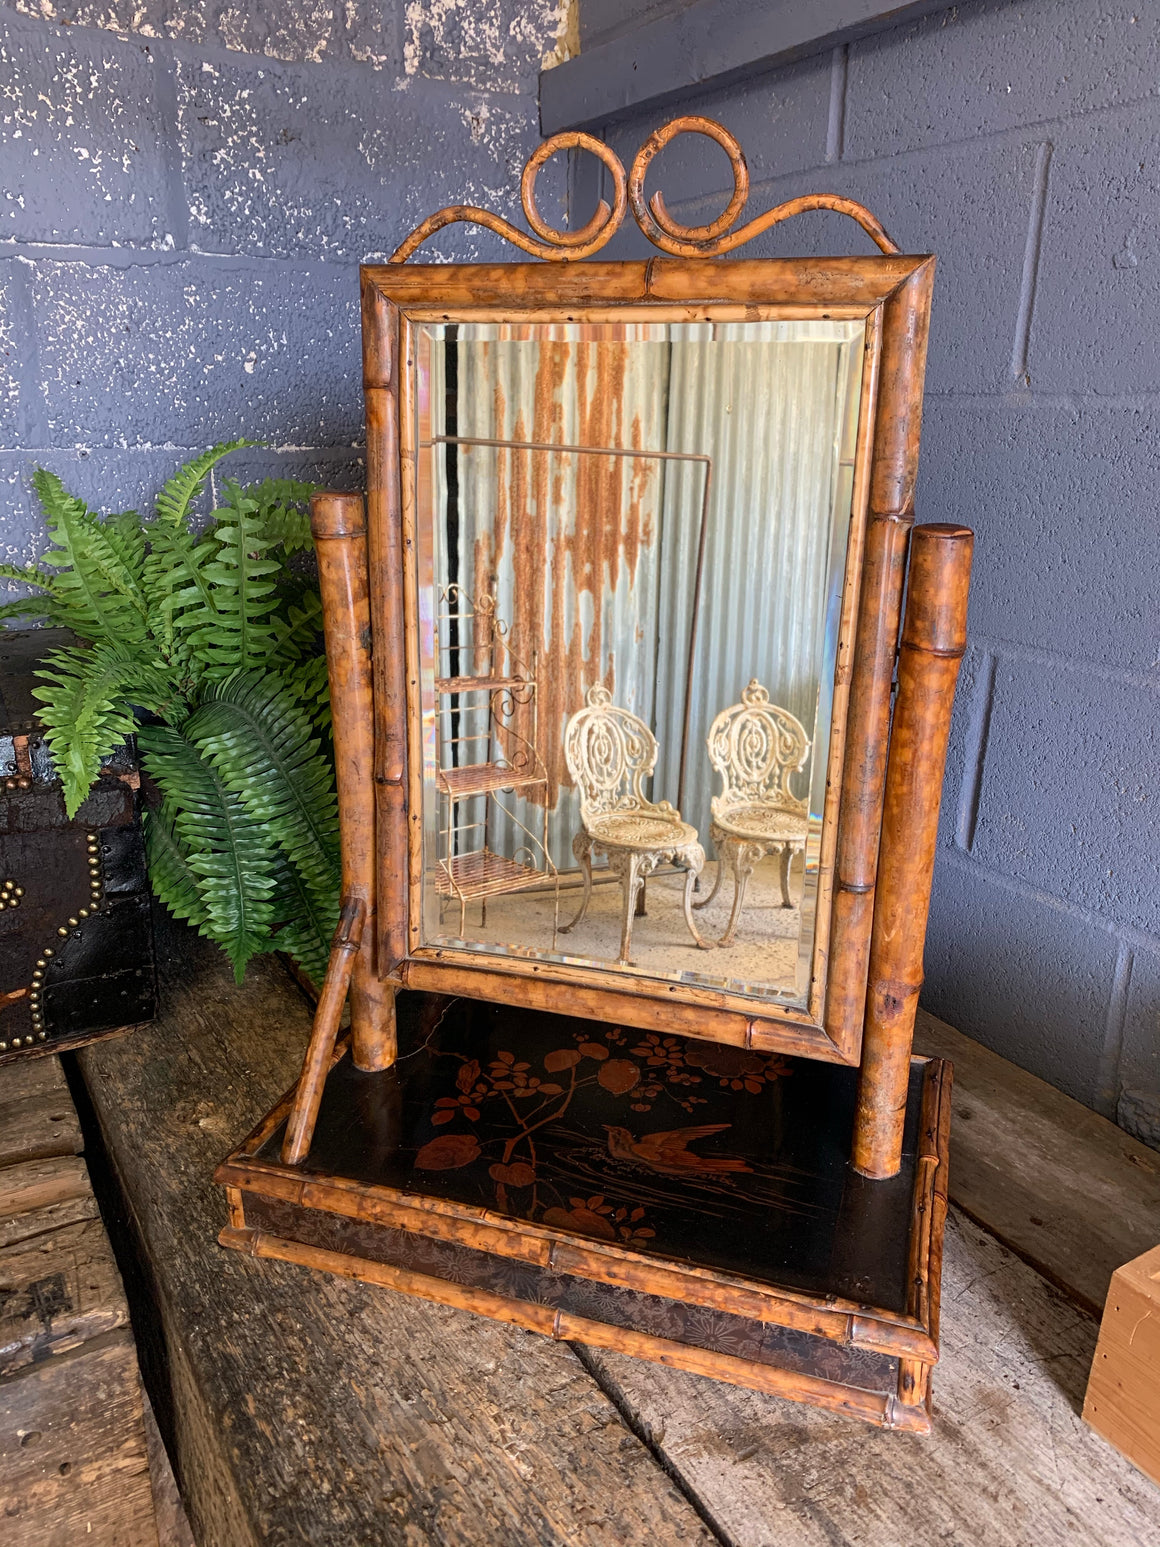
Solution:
(207, 644)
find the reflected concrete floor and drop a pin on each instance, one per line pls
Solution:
(764, 950)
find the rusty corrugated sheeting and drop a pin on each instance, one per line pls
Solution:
(592, 560)
(566, 542)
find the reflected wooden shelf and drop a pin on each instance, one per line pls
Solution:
(483, 874)
(479, 684)
(483, 778)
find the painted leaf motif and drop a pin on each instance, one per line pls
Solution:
(595, 1050)
(518, 1174)
(562, 1058)
(467, 1075)
(581, 1220)
(618, 1076)
(447, 1152)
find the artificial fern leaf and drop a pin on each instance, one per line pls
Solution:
(170, 876)
(244, 595)
(226, 849)
(102, 596)
(305, 923)
(297, 630)
(84, 715)
(283, 510)
(187, 483)
(260, 739)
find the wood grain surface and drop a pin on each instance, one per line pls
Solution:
(1009, 1462)
(1073, 1194)
(307, 1408)
(73, 1460)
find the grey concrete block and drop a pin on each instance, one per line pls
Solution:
(1067, 800)
(1021, 976)
(80, 131)
(21, 530)
(928, 202)
(294, 30)
(190, 351)
(1062, 497)
(1139, 1067)
(331, 162)
(976, 69)
(972, 697)
(1097, 301)
(10, 416)
(780, 121)
(340, 467)
(492, 45)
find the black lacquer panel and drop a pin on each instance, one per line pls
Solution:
(693, 1151)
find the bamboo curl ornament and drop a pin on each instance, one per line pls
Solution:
(653, 218)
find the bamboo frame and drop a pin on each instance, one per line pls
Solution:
(892, 294)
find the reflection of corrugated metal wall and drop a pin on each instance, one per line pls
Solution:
(769, 408)
(565, 542)
(592, 560)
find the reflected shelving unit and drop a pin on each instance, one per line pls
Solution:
(488, 752)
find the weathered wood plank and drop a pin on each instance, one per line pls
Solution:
(1069, 1191)
(1009, 1463)
(37, 1119)
(307, 1408)
(57, 1291)
(39, 1183)
(73, 1466)
(34, 1222)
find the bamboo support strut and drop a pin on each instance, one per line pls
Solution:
(933, 641)
(344, 950)
(340, 539)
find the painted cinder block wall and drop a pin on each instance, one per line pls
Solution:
(1020, 142)
(186, 191)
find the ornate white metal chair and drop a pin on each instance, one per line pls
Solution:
(610, 753)
(756, 747)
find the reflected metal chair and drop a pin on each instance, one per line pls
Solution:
(756, 747)
(610, 753)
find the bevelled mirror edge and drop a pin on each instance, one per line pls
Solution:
(389, 305)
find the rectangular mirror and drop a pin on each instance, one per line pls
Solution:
(632, 544)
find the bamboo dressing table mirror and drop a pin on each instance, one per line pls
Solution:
(637, 824)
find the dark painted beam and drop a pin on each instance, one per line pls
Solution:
(711, 43)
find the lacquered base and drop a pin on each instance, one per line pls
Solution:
(683, 1201)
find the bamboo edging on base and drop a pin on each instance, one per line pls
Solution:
(885, 1411)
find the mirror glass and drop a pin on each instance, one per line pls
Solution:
(631, 547)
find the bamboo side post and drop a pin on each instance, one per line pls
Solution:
(307, 1098)
(933, 641)
(339, 525)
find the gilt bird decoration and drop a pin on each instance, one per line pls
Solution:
(669, 1152)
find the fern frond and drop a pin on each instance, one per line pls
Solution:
(226, 849)
(296, 631)
(187, 483)
(261, 741)
(91, 578)
(84, 716)
(174, 883)
(88, 697)
(283, 511)
(244, 596)
(304, 922)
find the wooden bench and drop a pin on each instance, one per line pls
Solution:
(305, 1408)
